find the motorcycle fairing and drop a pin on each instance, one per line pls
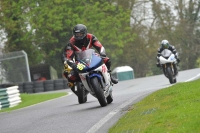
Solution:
(104, 77)
(167, 57)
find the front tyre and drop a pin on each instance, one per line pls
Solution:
(170, 75)
(98, 91)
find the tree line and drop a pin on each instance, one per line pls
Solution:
(131, 30)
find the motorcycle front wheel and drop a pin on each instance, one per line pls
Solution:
(98, 91)
(170, 75)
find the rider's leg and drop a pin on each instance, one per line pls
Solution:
(175, 69)
(72, 77)
(157, 62)
(108, 65)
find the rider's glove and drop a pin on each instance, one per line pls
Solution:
(68, 68)
(103, 55)
(74, 66)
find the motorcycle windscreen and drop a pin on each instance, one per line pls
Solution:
(166, 53)
(89, 64)
(95, 62)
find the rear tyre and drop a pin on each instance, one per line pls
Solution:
(81, 93)
(109, 98)
(98, 91)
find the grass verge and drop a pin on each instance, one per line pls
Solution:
(171, 110)
(30, 99)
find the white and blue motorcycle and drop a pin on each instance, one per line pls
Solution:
(94, 76)
(168, 62)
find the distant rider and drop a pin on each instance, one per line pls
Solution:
(80, 41)
(165, 45)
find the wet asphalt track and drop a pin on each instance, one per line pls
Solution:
(65, 115)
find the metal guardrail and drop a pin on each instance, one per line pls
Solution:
(9, 97)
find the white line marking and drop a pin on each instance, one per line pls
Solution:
(198, 75)
(97, 126)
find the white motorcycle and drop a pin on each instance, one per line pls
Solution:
(168, 62)
(94, 76)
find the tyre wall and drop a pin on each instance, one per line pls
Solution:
(42, 86)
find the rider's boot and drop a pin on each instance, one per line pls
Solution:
(158, 63)
(70, 84)
(113, 80)
(72, 87)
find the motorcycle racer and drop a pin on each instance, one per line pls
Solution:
(80, 41)
(165, 45)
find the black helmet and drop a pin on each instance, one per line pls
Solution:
(79, 31)
(165, 44)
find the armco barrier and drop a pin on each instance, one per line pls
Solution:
(9, 97)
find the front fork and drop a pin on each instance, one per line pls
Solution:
(165, 66)
(88, 77)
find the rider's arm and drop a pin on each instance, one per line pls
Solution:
(159, 52)
(63, 56)
(98, 46)
(68, 55)
(173, 49)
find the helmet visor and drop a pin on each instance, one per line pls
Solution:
(79, 35)
(166, 46)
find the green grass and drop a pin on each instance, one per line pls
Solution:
(30, 99)
(175, 109)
